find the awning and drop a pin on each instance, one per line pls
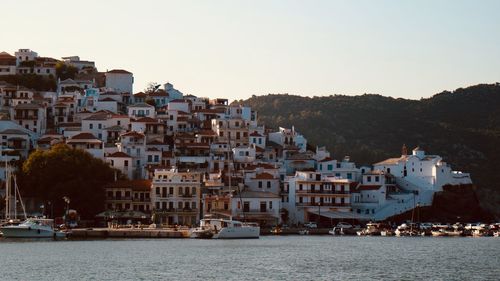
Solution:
(340, 215)
(122, 215)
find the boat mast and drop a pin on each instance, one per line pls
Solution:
(7, 190)
(20, 198)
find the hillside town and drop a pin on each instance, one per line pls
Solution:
(184, 157)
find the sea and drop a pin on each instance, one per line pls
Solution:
(267, 258)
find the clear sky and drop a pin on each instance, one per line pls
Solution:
(236, 49)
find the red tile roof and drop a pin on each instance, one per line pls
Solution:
(120, 71)
(264, 176)
(119, 154)
(133, 134)
(83, 136)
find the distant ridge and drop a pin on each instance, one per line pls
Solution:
(462, 126)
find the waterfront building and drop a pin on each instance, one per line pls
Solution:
(311, 196)
(176, 196)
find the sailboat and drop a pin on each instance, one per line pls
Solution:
(30, 227)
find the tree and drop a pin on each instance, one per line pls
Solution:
(65, 71)
(152, 87)
(64, 171)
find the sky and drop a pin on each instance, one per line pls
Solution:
(235, 49)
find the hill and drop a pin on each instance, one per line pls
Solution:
(462, 126)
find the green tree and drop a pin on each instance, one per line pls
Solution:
(65, 71)
(65, 171)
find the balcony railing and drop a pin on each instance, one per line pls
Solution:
(25, 117)
(322, 192)
(142, 199)
(177, 210)
(122, 198)
(315, 204)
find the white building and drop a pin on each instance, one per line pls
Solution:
(289, 137)
(120, 80)
(176, 197)
(311, 196)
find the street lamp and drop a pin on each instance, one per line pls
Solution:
(67, 201)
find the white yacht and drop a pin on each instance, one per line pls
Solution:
(32, 228)
(225, 229)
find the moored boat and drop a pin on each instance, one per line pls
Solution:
(226, 229)
(32, 228)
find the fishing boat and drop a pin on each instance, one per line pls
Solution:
(225, 229)
(32, 228)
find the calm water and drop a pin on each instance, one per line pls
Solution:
(268, 258)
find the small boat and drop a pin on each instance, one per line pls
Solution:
(226, 229)
(202, 233)
(32, 228)
(496, 234)
(387, 232)
(304, 232)
(372, 229)
(438, 233)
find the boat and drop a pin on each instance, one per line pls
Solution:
(226, 229)
(304, 232)
(496, 234)
(387, 232)
(343, 228)
(372, 229)
(32, 228)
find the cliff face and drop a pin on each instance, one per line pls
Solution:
(453, 204)
(462, 126)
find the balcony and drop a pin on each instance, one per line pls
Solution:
(122, 198)
(142, 200)
(315, 204)
(321, 192)
(187, 195)
(25, 117)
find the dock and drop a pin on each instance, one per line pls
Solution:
(128, 233)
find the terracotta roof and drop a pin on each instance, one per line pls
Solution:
(141, 104)
(83, 136)
(5, 55)
(146, 120)
(108, 99)
(255, 134)
(136, 185)
(264, 176)
(120, 71)
(327, 159)
(260, 165)
(119, 154)
(140, 94)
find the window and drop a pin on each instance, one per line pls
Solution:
(349, 176)
(329, 167)
(377, 178)
(99, 126)
(268, 184)
(157, 190)
(91, 126)
(260, 184)
(300, 186)
(270, 205)
(125, 163)
(300, 199)
(368, 178)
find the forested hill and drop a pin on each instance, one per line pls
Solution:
(462, 126)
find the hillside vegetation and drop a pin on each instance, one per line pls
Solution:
(462, 126)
